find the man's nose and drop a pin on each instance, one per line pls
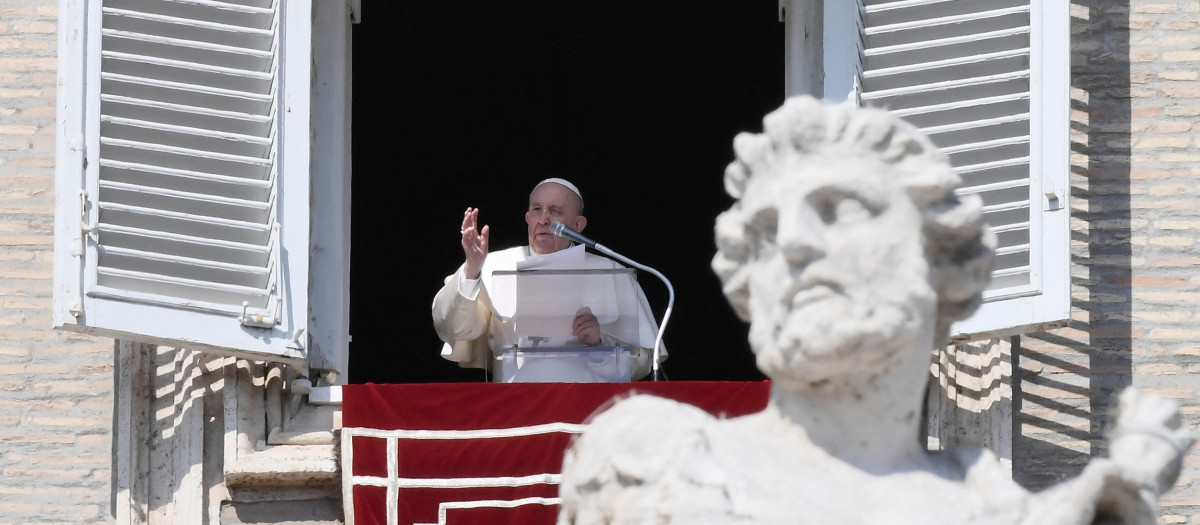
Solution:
(800, 235)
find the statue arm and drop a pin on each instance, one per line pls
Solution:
(1145, 458)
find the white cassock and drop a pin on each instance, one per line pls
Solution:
(474, 330)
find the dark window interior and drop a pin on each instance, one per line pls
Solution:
(470, 103)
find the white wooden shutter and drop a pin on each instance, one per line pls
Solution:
(183, 173)
(987, 81)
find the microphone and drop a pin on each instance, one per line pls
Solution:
(561, 230)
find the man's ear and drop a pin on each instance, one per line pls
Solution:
(580, 223)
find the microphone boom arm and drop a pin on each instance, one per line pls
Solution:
(670, 302)
(562, 230)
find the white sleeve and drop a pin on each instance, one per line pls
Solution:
(468, 288)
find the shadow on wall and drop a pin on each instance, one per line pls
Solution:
(1067, 380)
(178, 413)
(163, 409)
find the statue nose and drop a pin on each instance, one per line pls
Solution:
(800, 235)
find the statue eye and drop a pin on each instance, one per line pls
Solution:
(763, 225)
(841, 208)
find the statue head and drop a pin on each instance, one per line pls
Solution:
(847, 248)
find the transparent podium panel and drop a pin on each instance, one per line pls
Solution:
(542, 304)
(579, 364)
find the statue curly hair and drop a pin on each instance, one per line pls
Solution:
(804, 131)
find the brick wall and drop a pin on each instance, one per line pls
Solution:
(55, 388)
(1135, 218)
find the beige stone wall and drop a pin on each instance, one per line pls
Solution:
(55, 388)
(1135, 222)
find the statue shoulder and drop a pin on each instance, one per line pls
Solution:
(634, 459)
(630, 437)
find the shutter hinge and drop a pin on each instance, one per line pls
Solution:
(783, 5)
(85, 216)
(80, 245)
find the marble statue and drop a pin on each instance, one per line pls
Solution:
(850, 255)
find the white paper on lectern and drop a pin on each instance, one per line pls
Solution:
(544, 304)
(547, 302)
(503, 290)
(568, 259)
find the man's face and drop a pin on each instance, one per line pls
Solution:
(838, 279)
(548, 204)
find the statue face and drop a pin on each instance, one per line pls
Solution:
(837, 276)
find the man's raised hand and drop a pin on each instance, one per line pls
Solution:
(474, 243)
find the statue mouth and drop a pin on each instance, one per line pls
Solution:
(809, 291)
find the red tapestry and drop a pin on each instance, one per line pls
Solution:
(486, 453)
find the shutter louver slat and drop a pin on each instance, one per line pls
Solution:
(165, 124)
(248, 31)
(1012, 249)
(986, 145)
(942, 49)
(175, 265)
(225, 181)
(200, 9)
(887, 13)
(187, 75)
(220, 209)
(200, 28)
(169, 90)
(159, 136)
(250, 206)
(928, 24)
(166, 92)
(193, 148)
(956, 88)
(980, 59)
(187, 153)
(151, 287)
(199, 117)
(174, 223)
(150, 62)
(135, 105)
(185, 158)
(984, 107)
(190, 51)
(186, 246)
(960, 126)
